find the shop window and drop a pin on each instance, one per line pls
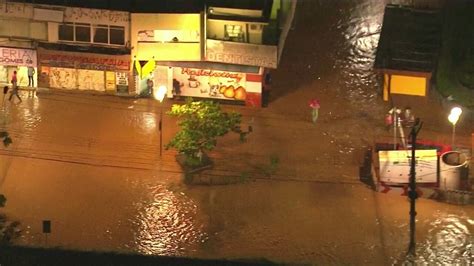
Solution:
(101, 34)
(83, 32)
(117, 35)
(234, 33)
(66, 32)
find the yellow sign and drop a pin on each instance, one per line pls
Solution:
(148, 68)
(109, 81)
(138, 67)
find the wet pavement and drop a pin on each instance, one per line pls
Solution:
(90, 164)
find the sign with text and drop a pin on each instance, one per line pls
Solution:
(208, 83)
(17, 57)
(121, 78)
(241, 53)
(84, 61)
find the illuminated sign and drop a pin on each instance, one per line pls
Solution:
(17, 57)
(206, 83)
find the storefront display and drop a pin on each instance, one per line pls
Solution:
(205, 83)
(17, 59)
(61, 78)
(83, 71)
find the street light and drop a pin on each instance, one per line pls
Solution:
(159, 95)
(453, 118)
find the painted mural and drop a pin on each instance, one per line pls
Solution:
(62, 78)
(207, 83)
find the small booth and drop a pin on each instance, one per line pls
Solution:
(407, 50)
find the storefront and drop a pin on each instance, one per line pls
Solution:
(189, 80)
(19, 60)
(84, 71)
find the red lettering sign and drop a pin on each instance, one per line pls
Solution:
(84, 61)
(211, 73)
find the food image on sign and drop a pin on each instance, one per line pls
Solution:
(210, 83)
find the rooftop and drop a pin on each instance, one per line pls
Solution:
(410, 39)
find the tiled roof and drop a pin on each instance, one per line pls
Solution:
(410, 39)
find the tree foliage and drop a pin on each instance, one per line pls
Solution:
(201, 123)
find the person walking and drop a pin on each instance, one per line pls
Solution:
(314, 105)
(14, 87)
(31, 73)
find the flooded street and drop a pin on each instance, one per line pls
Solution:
(95, 208)
(90, 164)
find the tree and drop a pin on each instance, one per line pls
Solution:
(201, 122)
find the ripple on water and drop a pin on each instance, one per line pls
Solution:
(166, 223)
(449, 241)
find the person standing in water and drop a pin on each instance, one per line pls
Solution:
(14, 87)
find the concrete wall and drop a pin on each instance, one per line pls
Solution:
(31, 22)
(160, 50)
(16, 21)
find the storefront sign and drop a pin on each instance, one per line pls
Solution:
(84, 62)
(208, 83)
(241, 53)
(17, 57)
(121, 78)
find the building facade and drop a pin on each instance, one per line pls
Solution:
(68, 47)
(222, 50)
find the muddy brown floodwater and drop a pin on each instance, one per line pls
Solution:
(90, 165)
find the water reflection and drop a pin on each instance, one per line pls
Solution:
(166, 223)
(356, 55)
(31, 116)
(449, 240)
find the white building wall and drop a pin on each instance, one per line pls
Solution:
(18, 20)
(97, 16)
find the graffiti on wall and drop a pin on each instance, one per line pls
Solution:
(13, 9)
(68, 78)
(91, 80)
(95, 15)
(62, 78)
(25, 10)
(83, 61)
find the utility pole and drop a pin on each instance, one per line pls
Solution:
(412, 194)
